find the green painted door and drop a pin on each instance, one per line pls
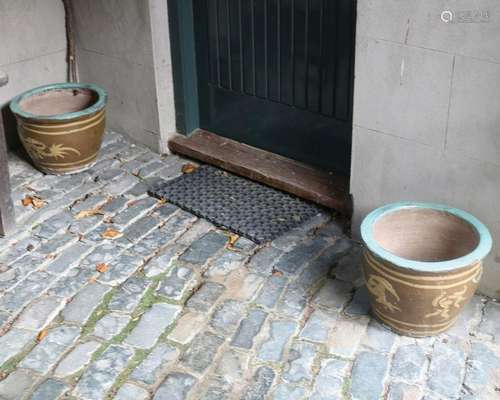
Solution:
(278, 75)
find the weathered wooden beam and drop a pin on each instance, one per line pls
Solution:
(7, 219)
(327, 189)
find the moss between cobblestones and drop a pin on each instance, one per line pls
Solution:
(346, 389)
(138, 357)
(10, 365)
(98, 313)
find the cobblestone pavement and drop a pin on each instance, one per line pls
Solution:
(107, 293)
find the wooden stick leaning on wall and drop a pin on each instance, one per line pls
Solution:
(7, 219)
(70, 38)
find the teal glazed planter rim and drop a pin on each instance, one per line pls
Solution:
(481, 250)
(97, 106)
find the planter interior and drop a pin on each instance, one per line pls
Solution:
(56, 102)
(426, 235)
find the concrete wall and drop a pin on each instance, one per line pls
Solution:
(427, 110)
(123, 45)
(32, 49)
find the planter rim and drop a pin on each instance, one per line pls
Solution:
(97, 106)
(482, 249)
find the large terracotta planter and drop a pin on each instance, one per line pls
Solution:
(422, 263)
(61, 125)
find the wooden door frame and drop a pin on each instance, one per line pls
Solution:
(185, 76)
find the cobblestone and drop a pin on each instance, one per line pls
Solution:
(70, 283)
(110, 325)
(201, 351)
(226, 316)
(120, 269)
(155, 364)
(409, 363)
(50, 389)
(288, 320)
(271, 291)
(178, 281)
(26, 291)
(13, 342)
(330, 380)
(490, 324)
(206, 296)
(368, 375)
(128, 296)
(293, 261)
(131, 392)
(334, 295)
(187, 327)
(263, 262)
(84, 303)
(446, 370)
(318, 325)
(76, 359)
(378, 338)
(261, 384)
(360, 304)
(204, 248)
(300, 361)
(100, 375)
(232, 366)
(482, 365)
(248, 329)
(152, 324)
(402, 390)
(176, 386)
(45, 355)
(225, 264)
(273, 346)
(346, 336)
(69, 258)
(284, 391)
(15, 385)
(39, 313)
(162, 263)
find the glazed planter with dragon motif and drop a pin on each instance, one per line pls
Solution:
(422, 263)
(61, 125)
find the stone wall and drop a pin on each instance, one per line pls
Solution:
(123, 45)
(427, 110)
(32, 49)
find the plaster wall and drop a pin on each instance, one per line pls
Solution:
(32, 49)
(427, 110)
(123, 45)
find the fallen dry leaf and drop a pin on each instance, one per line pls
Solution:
(233, 238)
(41, 335)
(34, 201)
(111, 233)
(101, 267)
(277, 272)
(88, 213)
(188, 168)
(92, 279)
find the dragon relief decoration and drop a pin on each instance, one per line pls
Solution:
(380, 287)
(39, 150)
(445, 302)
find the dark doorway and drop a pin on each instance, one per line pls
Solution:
(278, 75)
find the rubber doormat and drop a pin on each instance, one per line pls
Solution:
(248, 208)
